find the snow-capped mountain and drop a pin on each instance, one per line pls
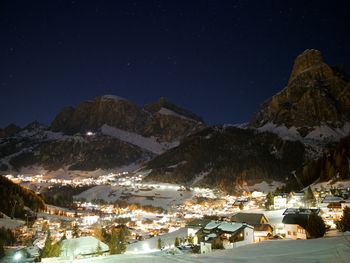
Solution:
(286, 136)
(104, 133)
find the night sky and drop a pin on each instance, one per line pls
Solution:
(220, 59)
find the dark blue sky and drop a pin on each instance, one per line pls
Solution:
(220, 59)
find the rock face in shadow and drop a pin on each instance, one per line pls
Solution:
(161, 119)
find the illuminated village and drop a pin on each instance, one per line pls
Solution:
(204, 221)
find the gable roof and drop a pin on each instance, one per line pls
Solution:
(296, 219)
(263, 227)
(226, 226)
(303, 211)
(249, 218)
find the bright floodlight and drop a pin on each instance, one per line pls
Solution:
(17, 256)
(90, 133)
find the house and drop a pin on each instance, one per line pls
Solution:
(194, 226)
(296, 199)
(82, 247)
(262, 229)
(295, 222)
(279, 202)
(226, 235)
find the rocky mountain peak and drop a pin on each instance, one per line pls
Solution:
(316, 95)
(310, 59)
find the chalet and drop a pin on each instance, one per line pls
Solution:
(194, 226)
(295, 222)
(262, 229)
(279, 202)
(226, 234)
(332, 208)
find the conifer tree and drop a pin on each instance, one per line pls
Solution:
(99, 249)
(344, 223)
(316, 226)
(177, 242)
(159, 243)
(75, 230)
(269, 201)
(113, 243)
(121, 240)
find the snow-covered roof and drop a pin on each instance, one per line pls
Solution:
(230, 227)
(212, 224)
(225, 226)
(331, 198)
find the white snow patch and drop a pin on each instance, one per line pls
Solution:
(265, 187)
(319, 133)
(200, 177)
(165, 111)
(178, 164)
(147, 143)
(331, 184)
(9, 223)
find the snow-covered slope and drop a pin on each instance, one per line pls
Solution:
(321, 250)
(166, 111)
(322, 133)
(147, 143)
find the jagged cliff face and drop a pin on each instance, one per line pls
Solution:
(162, 119)
(91, 115)
(316, 95)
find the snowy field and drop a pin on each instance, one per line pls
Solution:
(162, 195)
(328, 185)
(10, 223)
(322, 250)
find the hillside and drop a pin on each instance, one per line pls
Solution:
(334, 165)
(226, 157)
(14, 199)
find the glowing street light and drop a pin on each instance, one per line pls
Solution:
(17, 256)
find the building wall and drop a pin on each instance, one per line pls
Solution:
(248, 238)
(295, 231)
